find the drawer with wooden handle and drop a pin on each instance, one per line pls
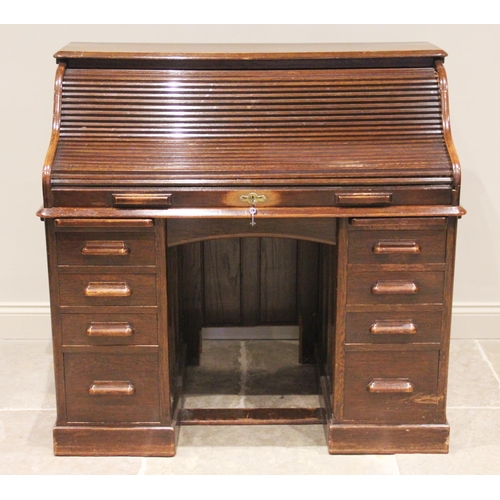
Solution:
(105, 249)
(391, 387)
(111, 387)
(109, 329)
(397, 247)
(101, 289)
(289, 196)
(389, 327)
(382, 287)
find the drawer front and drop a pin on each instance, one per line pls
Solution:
(179, 197)
(105, 249)
(396, 247)
(393, 327)
(379, 287)
(391, 387)
(112, 387)
(309, 197)
(107, 289)
(109, 329)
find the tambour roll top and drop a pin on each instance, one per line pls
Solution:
(153, 116)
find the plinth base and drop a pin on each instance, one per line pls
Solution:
(387, 439)
(114, 441)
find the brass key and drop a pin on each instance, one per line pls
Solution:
(253, 211)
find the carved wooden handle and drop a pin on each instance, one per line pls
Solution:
(96, 329)
(142, 200)
(394, 287)
(356, 199)
(393, 327)
(396, 246)
(107, 289)
(105, 248)
(390, 386)
(111, 388)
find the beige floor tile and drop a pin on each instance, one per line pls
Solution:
(251, 374)
(471, 382)
(272, 355)
(213, 401)
(273, 450)
(268, 401)
(474, 446)
(221, 353)
(27, 372)
(252, 435)
(26, 448)
(219, 370)
(282, 401)
(273, 369)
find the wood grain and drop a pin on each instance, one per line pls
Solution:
(141, 370)
(349, 152)
(222, 281)
(189, 126)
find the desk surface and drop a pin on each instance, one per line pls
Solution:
(248, 51)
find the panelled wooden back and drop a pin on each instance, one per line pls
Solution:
(249, 281)
(314, 124)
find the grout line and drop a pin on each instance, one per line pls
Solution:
(398, 470)
(243, 373)
(488, 362)
(143, 467)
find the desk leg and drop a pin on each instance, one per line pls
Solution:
(191, 303)
(307, 298)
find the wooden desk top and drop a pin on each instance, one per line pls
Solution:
(79, 50)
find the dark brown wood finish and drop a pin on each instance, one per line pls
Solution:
(252, 416)
(193, 126)
(54, 138)
(192, 299)
(158, 156)
(57, 331)
(250, 281)
(105, 216)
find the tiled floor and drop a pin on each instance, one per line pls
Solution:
(27, 413)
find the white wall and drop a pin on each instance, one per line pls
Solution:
(26, 88)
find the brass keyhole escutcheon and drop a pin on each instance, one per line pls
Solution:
(252, 198)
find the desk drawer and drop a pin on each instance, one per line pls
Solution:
(391, 387)
(382, 287)
(393, 327)
(105, 249)
(111, 387)
(109, 329)
(397, 247)
(288, 196)
(107, 289)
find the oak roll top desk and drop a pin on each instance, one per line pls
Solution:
(329, 171)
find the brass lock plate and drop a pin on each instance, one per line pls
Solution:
(252, 198)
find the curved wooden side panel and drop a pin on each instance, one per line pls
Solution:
(54, 138)
(448, 139)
